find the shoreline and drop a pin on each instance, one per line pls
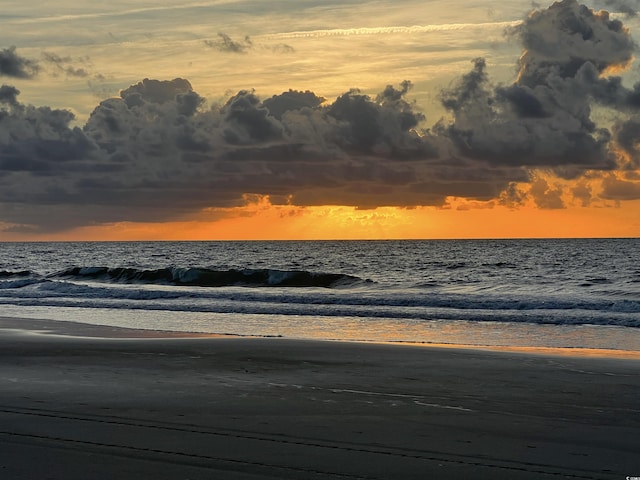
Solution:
(77, 329)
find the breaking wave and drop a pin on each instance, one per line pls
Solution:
(204, 277)
(9, 274)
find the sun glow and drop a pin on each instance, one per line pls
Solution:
(259, 219)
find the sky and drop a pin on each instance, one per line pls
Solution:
(309, 119)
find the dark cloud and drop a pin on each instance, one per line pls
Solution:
(628, 134)
(156, 91)
(360, 118)
(628, 7)
(13, 65)
(469, 90)
(544, 119)
(546, 196)
(605, 90)
(583, 193)
(248, 122)
(224, 43)
(627, 137)
(9, 95)
(39, 140)
(523, 126)
(523, 101)
(292, 100)
(381, 127)
(618, 189)
(560, 39)
(512, 196)
(157, 151)
(66, 65)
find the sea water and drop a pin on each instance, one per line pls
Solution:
(574, 293)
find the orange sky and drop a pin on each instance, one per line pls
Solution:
(263, 221)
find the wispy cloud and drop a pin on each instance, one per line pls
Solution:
(114, 13)
(343, 32)
(224, 43)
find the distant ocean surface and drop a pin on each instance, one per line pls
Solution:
(582, 293)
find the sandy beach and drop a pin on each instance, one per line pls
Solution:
(82, 402)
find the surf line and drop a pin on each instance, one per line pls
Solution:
(415, 398)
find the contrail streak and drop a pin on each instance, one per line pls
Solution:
(343, 32)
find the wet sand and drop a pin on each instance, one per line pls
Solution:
(82, 402)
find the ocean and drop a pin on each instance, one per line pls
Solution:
(569, 293)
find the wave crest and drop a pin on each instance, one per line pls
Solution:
(204, 277)
(12, 274)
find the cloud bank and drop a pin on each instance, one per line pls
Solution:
(159, 152)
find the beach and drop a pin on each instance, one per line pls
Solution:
(82, 401)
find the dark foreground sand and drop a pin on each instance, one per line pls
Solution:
(233, 408)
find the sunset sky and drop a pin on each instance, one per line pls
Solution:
(318, 119)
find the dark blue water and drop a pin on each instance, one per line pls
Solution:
(556, 293)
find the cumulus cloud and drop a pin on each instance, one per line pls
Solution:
(512, 196)
(520, 125)
(292, 100)
(39, 140)
(562, 38)
(544, 119)
(618, 189)
(628, 7)
(9, 95)
(159, 151)
(583, 193)
(14, 65)
(627, 137)
(545, 195)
